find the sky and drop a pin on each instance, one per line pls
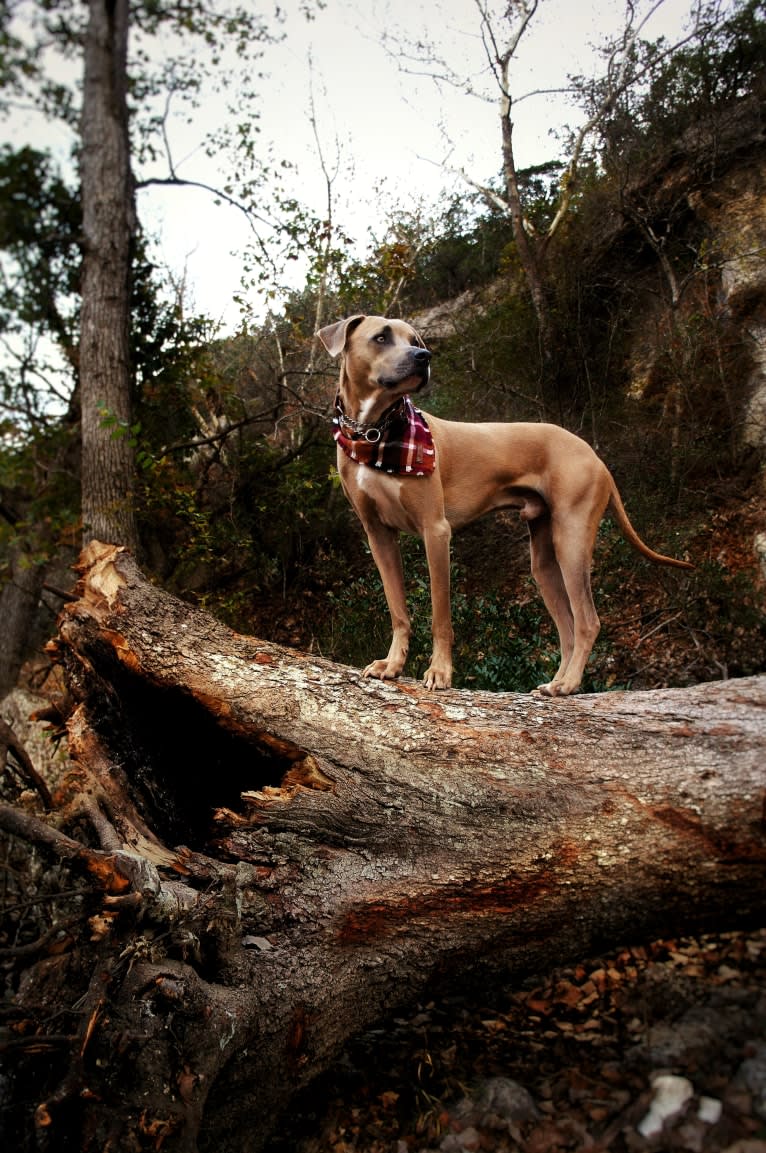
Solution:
(385, 126)
(385, 129)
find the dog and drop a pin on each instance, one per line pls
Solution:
(404, 470)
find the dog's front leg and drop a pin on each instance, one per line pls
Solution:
(437, 541)
(384, 544)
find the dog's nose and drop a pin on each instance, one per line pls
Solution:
(422, 356)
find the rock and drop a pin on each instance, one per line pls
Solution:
(709, 1110)
(680, 1042)
(670, 1096)
(751, 1075)
(462, 1142)
(498, 1104)
(502, 1101)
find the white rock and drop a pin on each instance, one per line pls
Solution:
(709, 1110)
(670, 1095)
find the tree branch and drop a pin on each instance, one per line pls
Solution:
(181, 182)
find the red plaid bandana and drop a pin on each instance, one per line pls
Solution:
(400, 443)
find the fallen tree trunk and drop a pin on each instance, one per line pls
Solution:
(287, 852)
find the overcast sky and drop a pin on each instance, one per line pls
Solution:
(389, 127)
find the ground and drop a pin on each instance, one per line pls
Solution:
(568, 1063)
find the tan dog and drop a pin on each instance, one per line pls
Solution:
(553, 478)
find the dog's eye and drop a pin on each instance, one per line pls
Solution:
(381, 339)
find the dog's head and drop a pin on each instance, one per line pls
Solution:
(379, 354)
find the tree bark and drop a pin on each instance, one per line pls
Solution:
(289, 852)
(19, 600)
(109, 225)
(532, 250)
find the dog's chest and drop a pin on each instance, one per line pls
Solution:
(378, 494)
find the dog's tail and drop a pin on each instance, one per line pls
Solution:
(617, 508)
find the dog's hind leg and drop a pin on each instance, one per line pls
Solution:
(573, 543)
(550, 581)
(384, 544)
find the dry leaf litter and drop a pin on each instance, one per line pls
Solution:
(656, 1047)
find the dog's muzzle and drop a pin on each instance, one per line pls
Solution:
(417, 363)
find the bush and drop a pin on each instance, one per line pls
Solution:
(501, 645)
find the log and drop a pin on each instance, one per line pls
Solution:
(287, 852)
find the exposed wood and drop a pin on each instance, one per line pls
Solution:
(311, 849)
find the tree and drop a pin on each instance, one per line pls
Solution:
(502, 27)
(39, 233)
(290, 852)
(118, 122)
(109, 230)
(113, 121)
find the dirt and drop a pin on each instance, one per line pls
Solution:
(571, 1063)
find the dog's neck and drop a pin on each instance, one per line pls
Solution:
(399, 443)
(360, 418)
(364, 412)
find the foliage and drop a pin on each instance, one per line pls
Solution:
(690, 86)
(501, 644)
(236, 495)
(39, 260)
(39, 493)
(238, 503)
(725, 614)
(39, 243)
(425, 256)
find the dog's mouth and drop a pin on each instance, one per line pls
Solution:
(415, 382)
(423, 380)
(414, 374)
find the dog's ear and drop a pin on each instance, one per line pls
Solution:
(334, 336)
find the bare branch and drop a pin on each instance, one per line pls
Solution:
(10, 744)
(179, 181)
(619, 78)
(499, 59)
(324, 256)
(222, 434)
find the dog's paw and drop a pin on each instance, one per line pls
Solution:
(556, 689)
(546, 690)
(383, 670)
(437, 678)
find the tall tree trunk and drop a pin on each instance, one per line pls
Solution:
(532, 250)
(19, 600)
(109, 223)
(288, 852)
